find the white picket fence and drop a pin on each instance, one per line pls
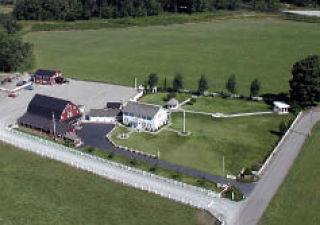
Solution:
(114, 164)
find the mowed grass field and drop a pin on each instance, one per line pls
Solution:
(263, 48)
(226, 106)
(297, 200)
(244, 141)
(159, 98)
(36, 191)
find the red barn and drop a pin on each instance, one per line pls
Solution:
(46, 76)
(43, 109)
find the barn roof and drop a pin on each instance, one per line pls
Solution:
(45, 73)
(46, 124)
(141, 109)
(44, 106)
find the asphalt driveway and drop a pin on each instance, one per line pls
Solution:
(94, 134)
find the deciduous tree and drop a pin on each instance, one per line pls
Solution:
(305, 83)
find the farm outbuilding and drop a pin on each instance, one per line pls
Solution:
(47, 76)
(173, 103)
(53, 116)
(281, 107)
(105, 115)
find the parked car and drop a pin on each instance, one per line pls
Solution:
(20, 83)
(12, 95)
(30, 88)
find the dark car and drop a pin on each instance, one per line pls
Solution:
(30, 88)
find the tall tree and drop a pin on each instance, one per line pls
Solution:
(231, 84)
(153, 80)
(255, 88)
(305, 83)
(165, 88)
(177, 83)
(203, 84)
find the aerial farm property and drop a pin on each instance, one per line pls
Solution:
(159, 112)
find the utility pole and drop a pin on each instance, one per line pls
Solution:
(54, 126)
(223, 165)
(135, 83)
(311, 121)
(184, 121)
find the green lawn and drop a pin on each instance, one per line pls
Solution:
(243, 141)
(227, 106)
(263, 48)
(298, 200)
(35, 191)
(158, 98)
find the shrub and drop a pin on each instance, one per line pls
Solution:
(90, 149)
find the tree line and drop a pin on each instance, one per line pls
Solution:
(203, 85)
(70, 10)
(15, 54)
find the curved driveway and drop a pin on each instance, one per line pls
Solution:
(94, 135)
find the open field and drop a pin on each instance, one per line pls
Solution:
(297, 201)
(243, 141)
(227, 106)
(250, 48)
(35, 191)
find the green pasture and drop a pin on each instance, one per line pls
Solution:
(36, 190)
(263, 48)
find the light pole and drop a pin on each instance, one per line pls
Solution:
(54, 126)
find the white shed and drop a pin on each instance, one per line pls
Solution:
(104, 115)
(172, 104)
(281, 107)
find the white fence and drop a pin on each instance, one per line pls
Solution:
(278, 147)
(137, 96)
(114, 164)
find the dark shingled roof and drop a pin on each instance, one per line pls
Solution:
(45, 73)
(44, 106)
(141, 109)
(113, 105)
(40, 122)
(104, 112)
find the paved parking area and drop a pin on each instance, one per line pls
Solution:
(89, 94)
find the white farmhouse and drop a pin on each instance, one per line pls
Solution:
(144, 116)
(281, 107)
